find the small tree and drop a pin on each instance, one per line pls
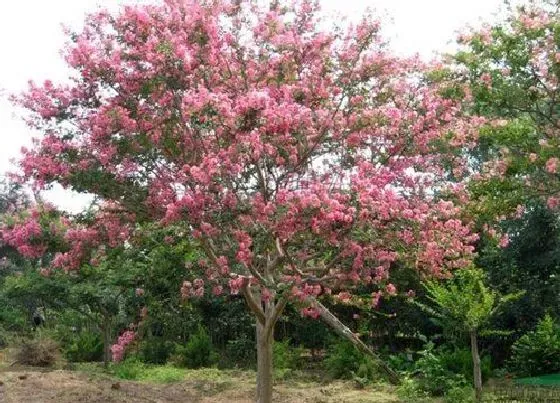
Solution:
(465, 304)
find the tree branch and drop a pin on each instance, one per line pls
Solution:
(278, 309)
(254, 306)
(343, 330)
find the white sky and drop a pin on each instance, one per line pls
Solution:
(31, 38)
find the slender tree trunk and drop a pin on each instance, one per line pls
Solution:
(106, 341)
(267, 314)
(477, 375)
(264, 364)
(342, 330)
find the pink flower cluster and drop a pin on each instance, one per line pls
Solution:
(118, 349)
(25, 236)
(195, 289)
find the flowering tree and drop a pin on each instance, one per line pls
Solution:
(512, 69)
(303, 161)
(46, 239)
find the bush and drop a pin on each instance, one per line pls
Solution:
(156, 350)
(410, 391)
(38, 352)
(197, 353)
(459, 361)
(460, 395)
(129, 369)
(85, 347)
(401, 362)
(433, 376)
(285, 356)
(537, 352)
(240, 352)
(343, 360)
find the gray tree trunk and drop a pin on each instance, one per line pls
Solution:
(477, 375)
(106, 341)
(264, 364)
(266, 314)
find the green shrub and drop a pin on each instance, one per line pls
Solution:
(433, 376)
(400, 362)
(239, 352)
(537, 352)
(459, 395)
(84, 347)
(156, 350)
(129, 369)
(410, 391)
(197, 353)
(344, 361)
(459, 361)
(286, 356)
(38, 352)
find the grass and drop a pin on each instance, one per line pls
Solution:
(136, 371)
(543, 380)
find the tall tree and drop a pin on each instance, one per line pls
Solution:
(512, 69)
(302, 160)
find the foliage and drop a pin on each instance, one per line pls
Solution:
(129, 369)
(84, 347)
(432, 374)
(286, 356)
(39, 351)
(401, 362)
(511, 68)
(156, 350)
(531, 262)
(344, 361)
(239, 352)
(537, 352)
(410, 391)
(459, 395)
(197, 352)
(463, 302)
(459, 361)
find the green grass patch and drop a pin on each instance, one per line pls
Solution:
(543, 380)
(135, 370)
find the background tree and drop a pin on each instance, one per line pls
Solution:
(529, 263)
(512, 70)
(466, 304)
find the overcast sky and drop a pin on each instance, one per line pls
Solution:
(31, 38)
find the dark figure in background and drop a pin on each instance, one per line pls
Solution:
(37, 319)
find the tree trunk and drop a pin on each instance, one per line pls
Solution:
(477, 375)
(106, 341)
(342, 330)
(267, 314)
(264, 364)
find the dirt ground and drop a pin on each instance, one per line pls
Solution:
(26, 385)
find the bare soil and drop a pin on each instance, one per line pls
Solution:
(31, 385)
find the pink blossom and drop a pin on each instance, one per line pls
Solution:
(552, 165)
(504, 241)
(118, 349)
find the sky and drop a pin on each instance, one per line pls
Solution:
(31, 38)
